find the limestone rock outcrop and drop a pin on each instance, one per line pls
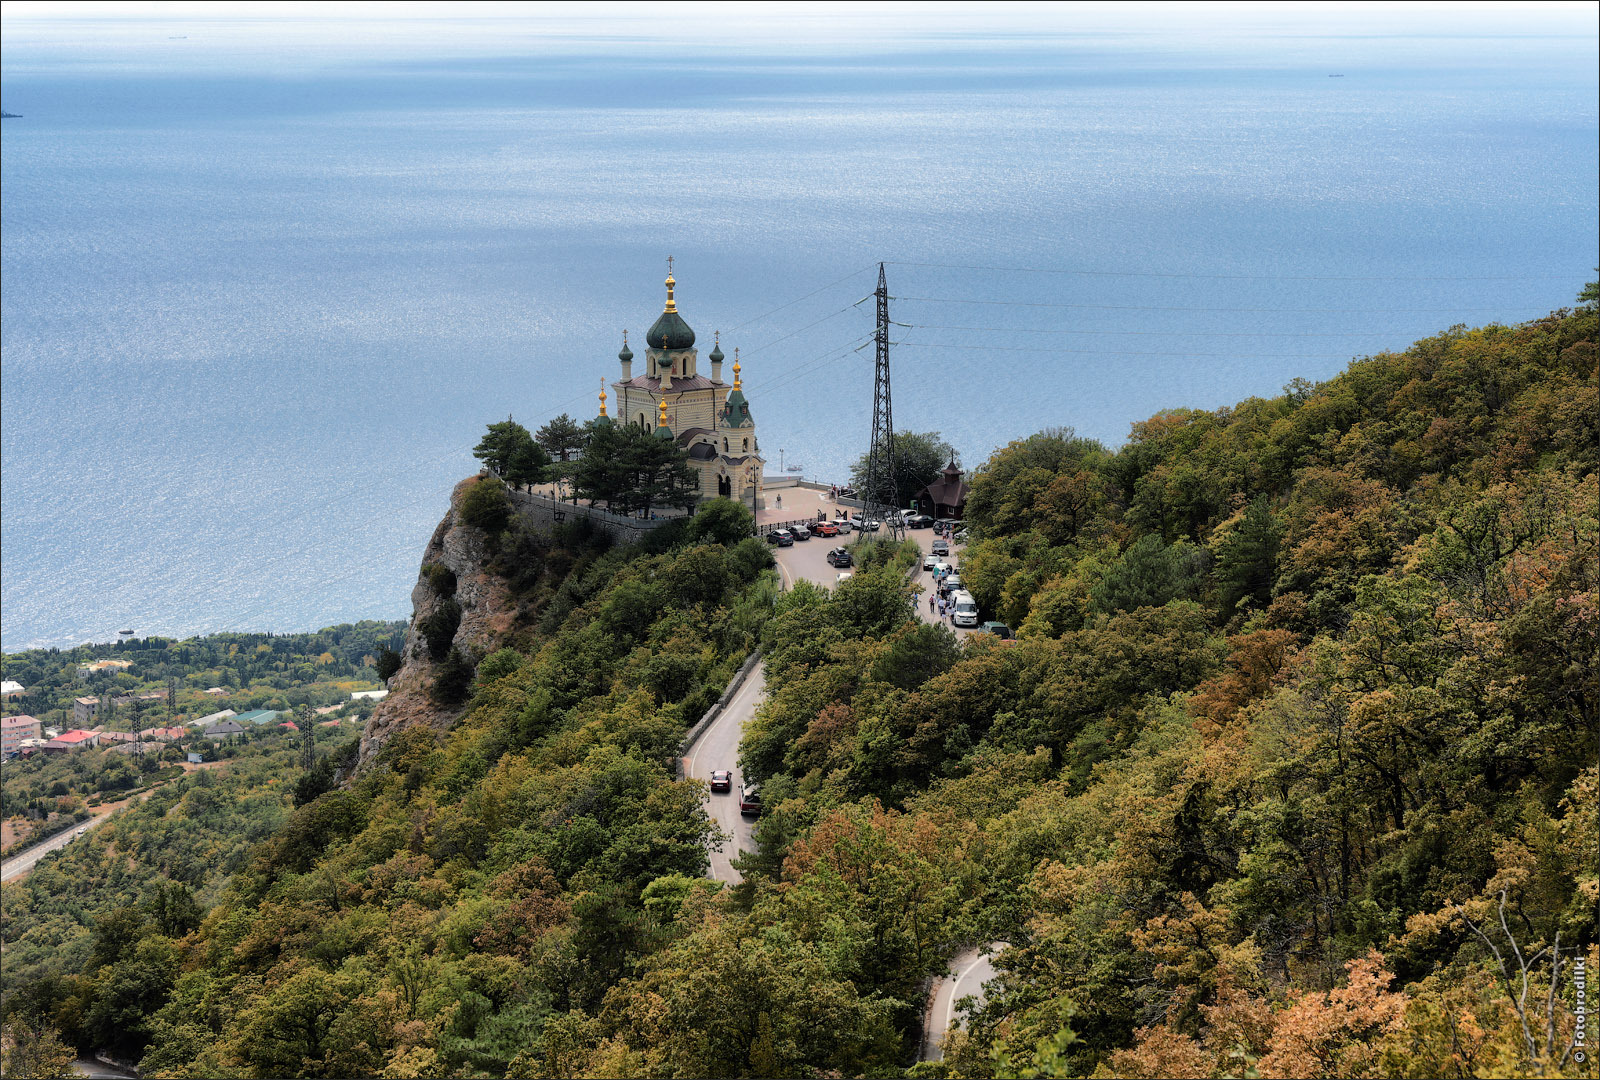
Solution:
(487, 611)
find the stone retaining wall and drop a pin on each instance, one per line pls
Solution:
(542, 510)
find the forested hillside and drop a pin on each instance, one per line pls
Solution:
(1293, 757)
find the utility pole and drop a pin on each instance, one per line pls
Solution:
(137, 725)
(308, 751)
(881, 488)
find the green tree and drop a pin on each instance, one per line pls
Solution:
(919, 457)
(721, 521)
(1149, 574)
(34, 1049)
(486, 505)
(631, 470)
(1247, 559)
(498, 445)
(563, 439)
(599, 475)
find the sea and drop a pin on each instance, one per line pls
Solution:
(262, 290)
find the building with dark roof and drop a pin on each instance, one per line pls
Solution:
(946, 497)
(707, 417)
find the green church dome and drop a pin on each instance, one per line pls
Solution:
(670, 331)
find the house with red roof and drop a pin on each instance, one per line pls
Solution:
(72, 740)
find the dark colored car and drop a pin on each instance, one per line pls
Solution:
(941, 546)
(800, 532)
(840, 557)
(921, 521)
(780, 537)
(721, 780)
(749, 800)
(998, 629)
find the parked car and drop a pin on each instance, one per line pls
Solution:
(870, 525)
(921, 521)
(960, 536)
(941, 546)
(749, 800)
(929, 561)
(800, 532)
(781, 537)
(824, 528)
(952, 581)
(844, 525)
(840, 579)
(998, 629)
(840, 557)
(966, 613)
(721, 780)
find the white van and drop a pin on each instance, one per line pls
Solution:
(966, 613)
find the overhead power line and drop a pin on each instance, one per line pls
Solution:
(1219, 277)
(797, 300)
(1167, 333)
(1119, 352)
(1201, 310)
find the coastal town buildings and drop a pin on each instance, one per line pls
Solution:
(84, 710)
(72, 740)
(704, 415)
(15, 729)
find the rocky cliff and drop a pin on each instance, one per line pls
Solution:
(487, 611)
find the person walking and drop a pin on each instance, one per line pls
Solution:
(932, 600)
(780, 502)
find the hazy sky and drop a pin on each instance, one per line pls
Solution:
(857, 23)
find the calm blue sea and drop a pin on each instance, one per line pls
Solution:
(255, 314)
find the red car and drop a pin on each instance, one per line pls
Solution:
(825, 528)
(721, 780)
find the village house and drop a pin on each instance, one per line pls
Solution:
(214, 718)
(72, 740)
(14, 729)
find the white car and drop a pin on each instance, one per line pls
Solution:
(966, 613)
(929, 561)
(843, 577)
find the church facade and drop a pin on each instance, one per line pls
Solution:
(672, 398)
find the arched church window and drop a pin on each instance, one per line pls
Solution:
(747, 445)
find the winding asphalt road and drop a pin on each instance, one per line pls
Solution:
(718, 745)
(718, 748)
(18, 865)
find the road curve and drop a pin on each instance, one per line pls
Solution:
(18, 865)
(718, 746)
(967, 974)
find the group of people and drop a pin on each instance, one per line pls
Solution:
(940, 600)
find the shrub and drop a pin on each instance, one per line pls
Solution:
(498, 664)
(452, 680)
(441, 579)
(486, 505)
(439, 628)
(387, 662)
